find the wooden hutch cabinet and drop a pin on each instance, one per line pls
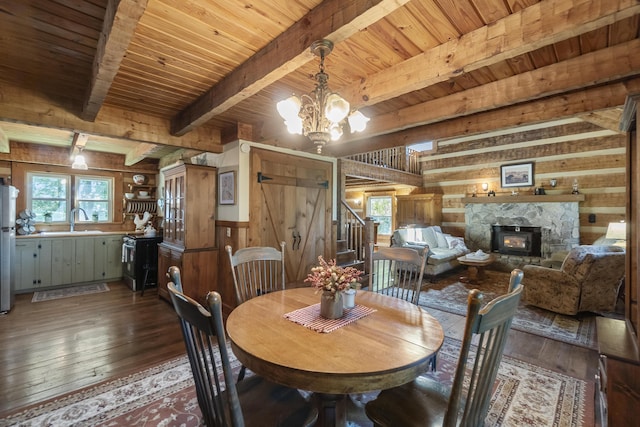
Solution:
(419, 209)
(189, 229)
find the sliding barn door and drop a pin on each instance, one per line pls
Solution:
(291, 202)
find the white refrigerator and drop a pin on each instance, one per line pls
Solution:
(8, 196)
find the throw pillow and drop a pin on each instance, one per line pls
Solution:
(429, 237)
(442, 241)
(455, 242)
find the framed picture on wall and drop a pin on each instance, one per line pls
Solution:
(516, 175)
(227, 188)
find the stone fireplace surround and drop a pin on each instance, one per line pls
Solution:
(557, 215)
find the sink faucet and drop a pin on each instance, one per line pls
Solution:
(72, 219)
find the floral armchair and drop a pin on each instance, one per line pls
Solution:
(588, 280)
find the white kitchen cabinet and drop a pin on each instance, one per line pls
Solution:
(33, 264)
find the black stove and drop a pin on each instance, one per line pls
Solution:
(140, 261)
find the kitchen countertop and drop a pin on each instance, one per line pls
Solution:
(78, 233)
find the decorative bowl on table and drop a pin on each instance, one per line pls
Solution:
(139, 179)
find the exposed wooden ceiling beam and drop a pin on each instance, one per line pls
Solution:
(552, 108)
(78, 143)
(607, 119)
(138, 154)
(335, 20)
(602, 66)
(630, 111)
(539, 25)
(32, 108)
(121, 20)
(49, 155)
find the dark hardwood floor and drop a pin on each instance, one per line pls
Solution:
(55, 347)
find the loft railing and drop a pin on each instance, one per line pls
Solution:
(399, 158)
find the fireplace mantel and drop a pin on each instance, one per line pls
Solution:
(551, 198)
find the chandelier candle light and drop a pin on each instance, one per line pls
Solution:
(320, 115)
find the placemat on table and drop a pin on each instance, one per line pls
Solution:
(310, 317)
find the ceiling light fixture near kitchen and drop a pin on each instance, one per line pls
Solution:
(320, 114)
(77, 145)
(79, 162)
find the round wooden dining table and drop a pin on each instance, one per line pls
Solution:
(389, 347)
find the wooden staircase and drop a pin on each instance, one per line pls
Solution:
(355, 236)
(346, 257)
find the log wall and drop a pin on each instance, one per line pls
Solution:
(579, 151)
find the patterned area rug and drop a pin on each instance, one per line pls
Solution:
(525, 395)
(73, 291)
(450, 295)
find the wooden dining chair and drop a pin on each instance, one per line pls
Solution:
(174, 276)
(256, 270)
(425, 402)
(396, 272)
(253, 401)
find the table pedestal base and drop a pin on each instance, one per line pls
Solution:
(334, 410)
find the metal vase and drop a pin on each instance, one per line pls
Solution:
(331, 305)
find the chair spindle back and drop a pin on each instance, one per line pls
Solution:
(397, 272)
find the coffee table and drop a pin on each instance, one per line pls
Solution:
(475, 268)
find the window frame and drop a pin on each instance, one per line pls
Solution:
(67, 199)
(72, 199)
(379, 195)
(77, 200)
(20, 181)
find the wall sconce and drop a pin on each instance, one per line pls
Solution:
(358, 202)
(553, 182)
(485, 186)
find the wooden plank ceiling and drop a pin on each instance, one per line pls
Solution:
(147, 77)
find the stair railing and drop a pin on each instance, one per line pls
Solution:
(358, 233)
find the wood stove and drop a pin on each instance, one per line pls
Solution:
(516, 240)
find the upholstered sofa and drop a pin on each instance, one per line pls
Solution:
(442, 249)
(588, 280)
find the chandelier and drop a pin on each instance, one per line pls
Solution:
(320, 114)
